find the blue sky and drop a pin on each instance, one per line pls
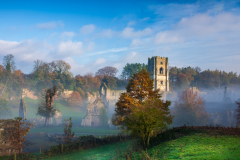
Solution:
(90, 35)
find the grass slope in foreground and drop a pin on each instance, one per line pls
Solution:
(195, 146)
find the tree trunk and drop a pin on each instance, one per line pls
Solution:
(148, 138)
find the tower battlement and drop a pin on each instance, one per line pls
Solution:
(157, 57)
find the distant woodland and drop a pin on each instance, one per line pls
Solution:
(45, 75)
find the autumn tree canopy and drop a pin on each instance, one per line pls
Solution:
(75, 99)
(139, 88)
(107, 71)
(189, 109)
(18, 133)
(137, 108)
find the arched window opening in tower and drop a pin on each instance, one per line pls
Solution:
(161, 70)
(161, 82)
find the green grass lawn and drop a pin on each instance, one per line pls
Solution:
(195, 147)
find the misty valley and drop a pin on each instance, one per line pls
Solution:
(66, 116)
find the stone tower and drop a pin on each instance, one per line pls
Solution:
(158, 67)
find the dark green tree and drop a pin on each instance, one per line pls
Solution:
(9, 64)
(132, 68)
(45, 106)
(111, 82)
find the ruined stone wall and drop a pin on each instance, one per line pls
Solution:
(113, 94)
(6, 149)
(91, 98)
(66, 93)
(38, 121)
(58, 117)
(29, 94)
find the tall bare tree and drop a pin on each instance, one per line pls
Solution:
(46, 107)
(60, 67)
(107, 71)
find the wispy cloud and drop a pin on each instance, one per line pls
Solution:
(130, 33)
(131, 23)
(49, 25)
(113, 50)
(107, 33)
(70, 48)
(99, 61)
(87, 29)
(67, 35)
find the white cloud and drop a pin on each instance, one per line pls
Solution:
(137, 42)
(166, 37)
(67, 35)
(76, 68)
(144, 19)
(87, 29)
(204, 24)
(131, 23)
(90, 46)
(108, 51)
(70, 48)
(99, 61)
(25, 51)
(130, 33)
(107, 33)
(132, 55)
(49, 25)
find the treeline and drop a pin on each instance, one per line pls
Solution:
(209, 79)
(45, 75)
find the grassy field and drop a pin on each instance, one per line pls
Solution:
(195, 147)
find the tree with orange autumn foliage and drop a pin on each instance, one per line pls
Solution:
(18, 133)
(140, 110)
(139, 88)
(189, 109)
(75, 99)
